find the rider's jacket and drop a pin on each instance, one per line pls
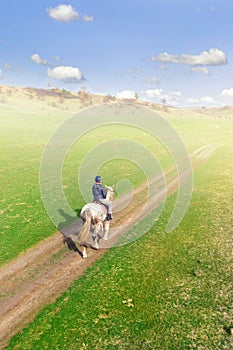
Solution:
(98, 191)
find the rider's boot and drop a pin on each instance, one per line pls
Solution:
(109, 217)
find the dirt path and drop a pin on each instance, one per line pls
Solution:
(40, 275)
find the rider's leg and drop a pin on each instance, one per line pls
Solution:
(109, 208)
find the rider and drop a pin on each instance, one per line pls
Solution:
(99, 194)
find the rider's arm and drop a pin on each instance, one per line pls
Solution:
(95, 192)
(103, 192)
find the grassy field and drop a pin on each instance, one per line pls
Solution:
(164, 291)
(23, 136)
(161, 292)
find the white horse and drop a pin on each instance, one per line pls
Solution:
(94, 217)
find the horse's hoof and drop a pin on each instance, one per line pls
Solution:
(84, 256)
(97, 246)
(105, 238)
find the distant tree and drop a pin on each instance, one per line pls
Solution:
(163, 101)
(66, 93)
(164, 104)
(85, 97)
(109, 98)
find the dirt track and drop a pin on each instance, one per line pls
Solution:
(37, 277)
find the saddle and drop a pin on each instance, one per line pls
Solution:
(104, 208)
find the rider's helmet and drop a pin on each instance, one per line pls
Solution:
(98, 178)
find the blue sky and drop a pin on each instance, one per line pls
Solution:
(180, 50)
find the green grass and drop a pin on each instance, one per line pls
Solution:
(164, 291)
(23, 136)
(24, 222)
(160, 292)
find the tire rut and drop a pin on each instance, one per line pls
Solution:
(41, 274)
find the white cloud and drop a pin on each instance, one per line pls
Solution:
(203, 101)
(176, 94)
(66, 74)
(126, 94)
(227, 92)
(133, 71)
(0, 74)
(207, 100)
(173, 98)
(37, 59)
(203, 70)
(154, 93)
(192, 101)
(213, 57)
(152, 80)
(7, 66)
(176, 98)
(88, 18)
(63, 13)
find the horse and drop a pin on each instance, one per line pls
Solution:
(94, 217)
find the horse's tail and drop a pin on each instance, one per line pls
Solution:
(86, 227)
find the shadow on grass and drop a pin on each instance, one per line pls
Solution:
(71, 226)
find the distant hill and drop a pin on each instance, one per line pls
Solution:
(61, 98)
(27, 98)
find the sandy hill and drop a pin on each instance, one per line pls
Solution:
(42, 99)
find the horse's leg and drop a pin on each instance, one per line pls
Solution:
(84, 252)
(106, 230)
(95, 236)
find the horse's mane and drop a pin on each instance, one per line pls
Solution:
(110, 192)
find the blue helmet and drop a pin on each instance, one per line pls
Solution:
(98, 178)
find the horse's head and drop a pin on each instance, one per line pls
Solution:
(110, 193)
